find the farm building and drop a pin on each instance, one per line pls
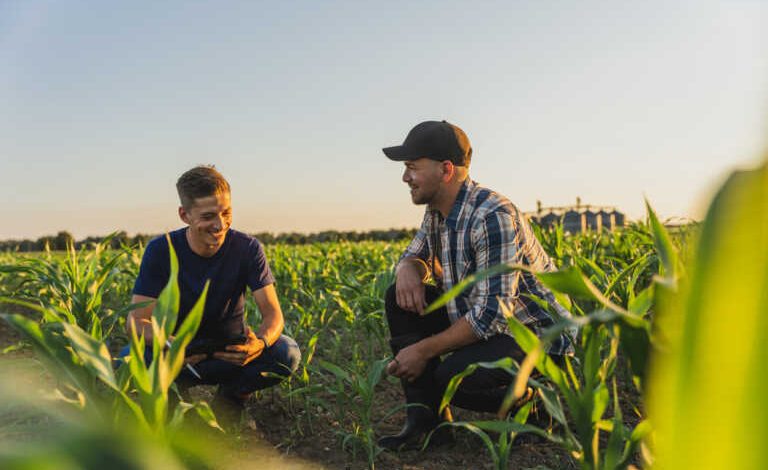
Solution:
(578, 218)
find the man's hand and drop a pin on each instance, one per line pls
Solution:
(242, 354)
(409, 363)
(194, 359)
(409, 285)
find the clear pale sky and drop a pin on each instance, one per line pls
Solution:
(104, 104)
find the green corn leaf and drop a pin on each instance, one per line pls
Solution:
(635, 344)
(522, 414)
(93, 353)
(483, 437)
(135, 411)
(375, 373)
(642, 302)
(529, 342)
(51, 348)
(136, 364)
(600, 397)
(626, 272)
(708, 385)
(617, 437)
(123, 374)
(335, 370)
(572, 282)
(205, 413)
(508, 427)
(664, 247)
(167, 306)
(469, 281)
(185, 334)
(507, 364)
(553, 405)
(592, 356)
(29, 329)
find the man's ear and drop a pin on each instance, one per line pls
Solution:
(449, 169)
(183, 215)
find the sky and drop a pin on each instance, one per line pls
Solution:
(104, 104)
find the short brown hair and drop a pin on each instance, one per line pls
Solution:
(200, 181)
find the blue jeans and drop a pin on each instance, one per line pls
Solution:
(273, 365)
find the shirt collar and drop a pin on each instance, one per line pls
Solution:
(458, 205)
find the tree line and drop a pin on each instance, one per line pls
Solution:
(63, 239)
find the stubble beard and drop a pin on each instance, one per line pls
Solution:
(420, 198)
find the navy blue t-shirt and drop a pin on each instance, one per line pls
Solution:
(240, 262)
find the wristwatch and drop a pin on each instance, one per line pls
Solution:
(266, 344)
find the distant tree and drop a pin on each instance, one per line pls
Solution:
(44, 243)
(62, 240)
(119, 239)
(26, 245)
(141, 239)
(59, 242)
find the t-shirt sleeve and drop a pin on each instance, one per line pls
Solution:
(259, 274)
(154, 270)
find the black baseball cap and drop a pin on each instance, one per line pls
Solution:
(438, 140)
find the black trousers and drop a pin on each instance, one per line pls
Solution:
(483, 390)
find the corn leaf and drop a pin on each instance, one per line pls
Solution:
(708, 385)
(93, 353)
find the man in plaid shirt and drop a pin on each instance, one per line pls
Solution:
(466, 229)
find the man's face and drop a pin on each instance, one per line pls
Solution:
(423, 176)
(209, 218)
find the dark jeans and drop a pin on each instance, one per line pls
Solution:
(271, 367)
(483, 390)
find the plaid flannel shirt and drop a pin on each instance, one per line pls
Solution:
(482, 230)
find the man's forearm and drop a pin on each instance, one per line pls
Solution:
(270, 331)
(142, 326)
(456, 336)
(414, 262)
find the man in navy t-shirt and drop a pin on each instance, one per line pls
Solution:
(208, 249)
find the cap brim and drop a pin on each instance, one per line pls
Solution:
(398, 153)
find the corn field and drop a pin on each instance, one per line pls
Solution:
(668, 371)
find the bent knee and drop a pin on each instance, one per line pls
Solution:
(287, 354)
(443, 375)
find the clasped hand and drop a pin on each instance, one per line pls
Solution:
(242, 354)
(409, 363)
(239, 354)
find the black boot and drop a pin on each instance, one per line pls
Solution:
(421, 413)
(421, 419)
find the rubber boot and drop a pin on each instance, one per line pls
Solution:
(421, 413)
(421, 419)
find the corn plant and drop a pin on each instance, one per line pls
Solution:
(359, 386)
(73, 291)
(708, 382)
(64, 438)
(332, 299)
(137, 393)
(506, 428)
(586, 389)
(329, 307)
(584, 382)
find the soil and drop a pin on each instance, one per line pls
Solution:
(270, 419)
(322, 444)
